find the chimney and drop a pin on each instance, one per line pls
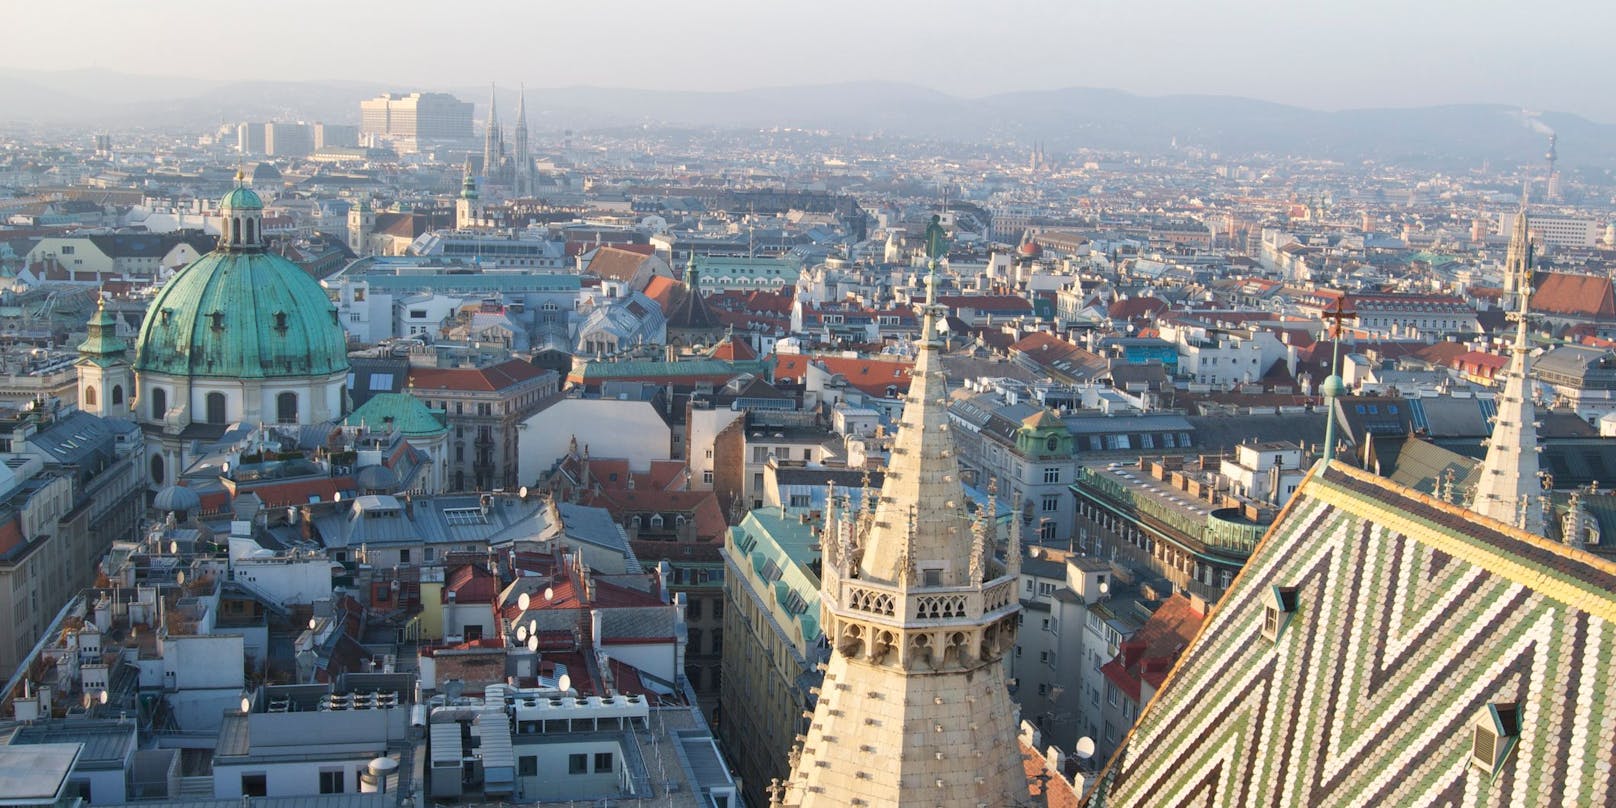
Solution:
(665, 581)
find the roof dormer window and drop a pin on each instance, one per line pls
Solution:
(1278, 607)
(1493, 736)
(216, 320)
(280, 321)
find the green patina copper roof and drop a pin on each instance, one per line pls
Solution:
(241, 198)
(103, 341)
(402, 411)
(245, 314)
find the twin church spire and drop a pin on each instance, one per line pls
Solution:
(513, 167)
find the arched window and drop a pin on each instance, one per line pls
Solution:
(235, 230)
(215, 408)
(656, 522)
(286, 408)
(250, 235)
(159, 403)
(157, 469)
(117, 394)
(89, 395)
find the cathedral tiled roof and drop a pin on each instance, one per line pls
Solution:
(1378, 645)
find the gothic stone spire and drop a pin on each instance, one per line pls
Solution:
(1509, 475)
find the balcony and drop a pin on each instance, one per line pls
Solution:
(930, 606)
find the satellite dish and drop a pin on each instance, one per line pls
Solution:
(103, 697)
(313, 623)
(533, 644)
(246, 704)
(1104, 587)
(337, 497)
(179, 577)
(522, 601)
(173, 548)
(522, 492)
(521, 633)
(564, 683)
(549, 594)
(225, 468)
(1085, 748)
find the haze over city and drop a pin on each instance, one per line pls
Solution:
(1336, 55)
(822, 405)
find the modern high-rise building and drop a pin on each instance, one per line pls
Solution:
(288, 139)
(334, 136)
(919, 613)
(410, 120)
(1556, 231)
(250, 138)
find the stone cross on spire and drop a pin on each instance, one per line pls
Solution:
(1334, 386)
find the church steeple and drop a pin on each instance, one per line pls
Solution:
(492, 140)
(523, 179)
(1509, 489)
(106, 380)
(914, 710)
(467, 210)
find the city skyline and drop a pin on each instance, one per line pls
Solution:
(1311, 58)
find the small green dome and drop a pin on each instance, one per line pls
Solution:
(1333, 386)
(241, 198)
(243, 315)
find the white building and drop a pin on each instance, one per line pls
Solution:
(628, 430)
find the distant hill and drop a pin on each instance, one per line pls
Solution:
(1443, 136)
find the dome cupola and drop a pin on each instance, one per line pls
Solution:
(241, 215)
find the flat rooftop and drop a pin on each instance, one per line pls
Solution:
(35, 773)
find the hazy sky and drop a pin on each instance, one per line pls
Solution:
(1544, 54)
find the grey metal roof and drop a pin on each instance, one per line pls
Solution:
(593, 526)
(644, 622)
(700, 754)
(106, 743)
(310, 801)
(1099, 425)
(75, 438)
(32, 775)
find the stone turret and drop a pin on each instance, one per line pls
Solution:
(914, 709)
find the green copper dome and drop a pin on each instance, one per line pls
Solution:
(241, 198)
(243, 314)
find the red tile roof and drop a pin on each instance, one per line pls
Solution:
(872, 376)
(663, 291)
(1135, 307)
(987, 303)
(495, 377)
(1149, 654)
(471, 584)
(733, 349)
(1576, 295)
(299, 492)
(617, 263)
